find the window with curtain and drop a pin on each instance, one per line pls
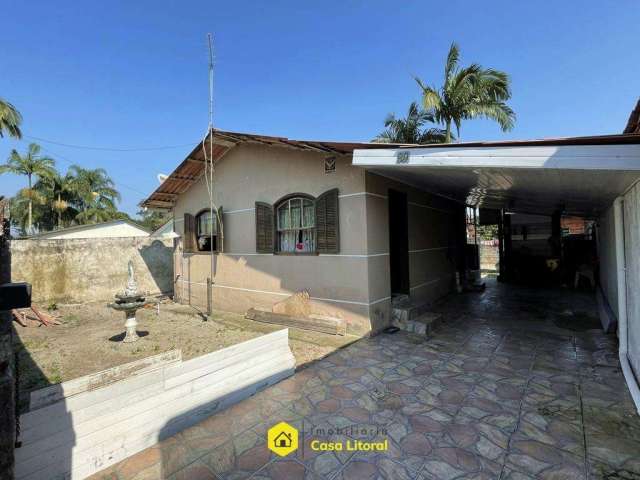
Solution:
(206, 231)
(296, 225)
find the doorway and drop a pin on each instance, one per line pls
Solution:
(399, 242)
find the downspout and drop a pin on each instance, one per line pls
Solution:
(623, 335)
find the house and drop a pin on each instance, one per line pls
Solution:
(297, 215)
(283, 440)
(365, 227)
(164, 231)
(112, 229)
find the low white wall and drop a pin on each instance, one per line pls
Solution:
(632, 269)
(89, 427)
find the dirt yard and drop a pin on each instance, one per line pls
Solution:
(88, 340)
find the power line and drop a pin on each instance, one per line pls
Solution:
(111, 149)
(70, 162)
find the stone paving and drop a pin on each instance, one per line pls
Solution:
(498, 392)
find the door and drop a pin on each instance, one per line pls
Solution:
(399, 242)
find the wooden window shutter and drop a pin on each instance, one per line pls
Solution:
(264, 228)
(328, 222)
(189, 236)
(219, 230)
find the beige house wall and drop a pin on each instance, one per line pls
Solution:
(432, 242)
(353, 284)
(243, 278)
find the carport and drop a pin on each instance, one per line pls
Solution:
(591, 177)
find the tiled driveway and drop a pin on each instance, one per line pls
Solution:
(500, 391)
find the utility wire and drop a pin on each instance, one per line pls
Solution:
(110, 149)
(70, 162)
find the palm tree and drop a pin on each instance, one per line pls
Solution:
(60, 193)
(30, 164)
(96, 214)
(467, 93)
(410, 129)
(97, 194)
(10, 120)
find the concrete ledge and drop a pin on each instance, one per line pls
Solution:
(316, 323)
(78, 431)
(46, 396)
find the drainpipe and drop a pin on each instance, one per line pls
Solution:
(623, 336)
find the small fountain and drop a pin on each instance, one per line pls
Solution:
(128, 302)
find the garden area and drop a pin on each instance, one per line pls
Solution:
(89, 340)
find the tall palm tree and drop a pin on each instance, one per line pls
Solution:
(60, 192)
(30, 164)
(97, 194)
(467, 93)
(10, 120)
(411, 128)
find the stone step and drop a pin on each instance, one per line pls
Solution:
(400, 300)
(410, 310)
(422, 324)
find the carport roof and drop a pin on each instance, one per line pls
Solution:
(579, 175)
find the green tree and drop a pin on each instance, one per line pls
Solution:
(97, 214)
(411, 128)
(152, 219)
(468, 93)
(61, 196)
(10, 120)
(97, 195)
(30, 164)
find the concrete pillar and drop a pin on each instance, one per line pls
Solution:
(556, 234)
(501, 264)
(507, 251)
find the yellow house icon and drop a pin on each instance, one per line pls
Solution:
(282, 439)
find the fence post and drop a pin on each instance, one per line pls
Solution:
(209, 302)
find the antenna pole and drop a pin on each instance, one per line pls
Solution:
(210, 181)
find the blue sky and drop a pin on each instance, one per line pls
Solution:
(134, 74)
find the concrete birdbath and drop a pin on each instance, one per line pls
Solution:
(128, 302)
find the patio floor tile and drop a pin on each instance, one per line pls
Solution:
(497, 392)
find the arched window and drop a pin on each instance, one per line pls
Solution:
(206, 231)
(296, 225)
(299, 223)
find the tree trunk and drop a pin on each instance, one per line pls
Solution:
(59, 214)
(448, 134)
(30, 208)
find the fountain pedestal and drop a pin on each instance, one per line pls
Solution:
(128, 302)
(130, 324)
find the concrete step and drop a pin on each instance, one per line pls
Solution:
(408, 310)
(422, 324)
(400, 300)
